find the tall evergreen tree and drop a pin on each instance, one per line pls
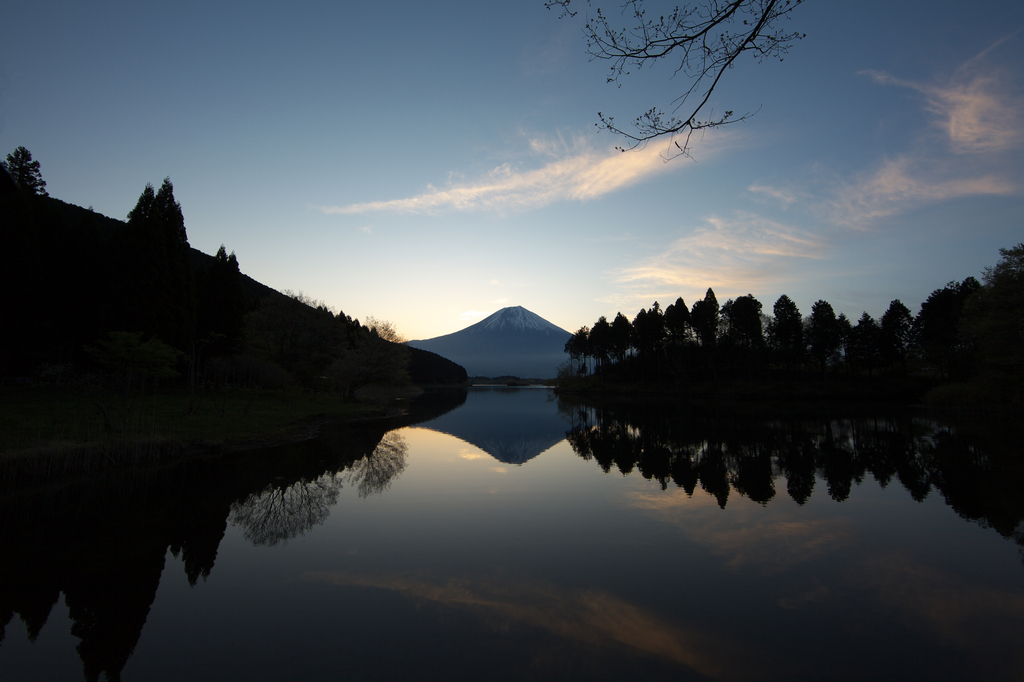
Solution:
(649, 327)
(621, 336)
(994, 319)
(25, 171)
(937, 326)
(865, 344)
(823, 334)
(704, 319)
(787, 332)
(578, 348)
(897, 334)
(159, 290)
(221, 303)
(744, 321)
(601, 342)
(845, 338)
(677, 320)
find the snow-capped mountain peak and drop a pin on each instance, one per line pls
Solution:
(515, 318)
(511, 342)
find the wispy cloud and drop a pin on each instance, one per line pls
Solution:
(981, 119)
(975, 108)
(594, 618)
(574, 172)
(732, 255)
(781, 195)
(902, 184)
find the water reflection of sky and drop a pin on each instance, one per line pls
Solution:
(559, 556)
(512, 425)
(451, 564)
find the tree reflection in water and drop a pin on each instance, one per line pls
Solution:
(374, 473)
(278, 514)
(676, 443)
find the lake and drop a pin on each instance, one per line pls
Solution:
(509, 534)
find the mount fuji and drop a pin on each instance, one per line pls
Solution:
(511, 342)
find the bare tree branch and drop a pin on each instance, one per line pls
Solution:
(706, 38)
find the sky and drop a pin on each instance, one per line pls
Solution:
(431, 163)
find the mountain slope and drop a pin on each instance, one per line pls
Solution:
(512, 342)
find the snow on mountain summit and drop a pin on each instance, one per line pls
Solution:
(515, 318)
(511, 342)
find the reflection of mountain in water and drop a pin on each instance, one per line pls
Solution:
(513, 425)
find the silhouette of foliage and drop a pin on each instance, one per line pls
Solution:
(937, 327)
(823, 335)
(896, 331)
(786, 333)
(703, 40)
(993, 320)
(25, 172)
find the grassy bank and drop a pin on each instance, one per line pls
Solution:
(46, 419)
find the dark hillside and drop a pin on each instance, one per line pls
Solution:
(430, 368)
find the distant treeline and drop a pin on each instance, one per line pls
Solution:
(966, 329)
(84, 294)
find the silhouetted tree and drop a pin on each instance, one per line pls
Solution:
(897, 334)
(845, 338)
(823, 334)
(994, 318)
(937, 326)
(221, 302)
(385, 329)
(159, 291)
(677, 321)
(704, 319)
(649, 327)
(743, 320)
(296, 333)
(578, 348)
(621, 331)
(601, 342)
(744, 340)
(786, 332)
(25, 171)
(368, 359)
(865, 344)
(703, 40)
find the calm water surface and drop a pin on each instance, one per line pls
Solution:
(482, 543)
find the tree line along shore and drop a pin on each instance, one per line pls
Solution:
(123, 329)
(963, 347)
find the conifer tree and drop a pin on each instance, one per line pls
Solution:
(221, 302)
(159, 291)
(897, 327)
(787, 332)
(823, 334)
(25, 171)
(704, 319)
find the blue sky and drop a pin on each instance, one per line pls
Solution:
(430, 163)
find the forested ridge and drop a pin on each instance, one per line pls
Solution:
(968, 334)
(90, 299)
